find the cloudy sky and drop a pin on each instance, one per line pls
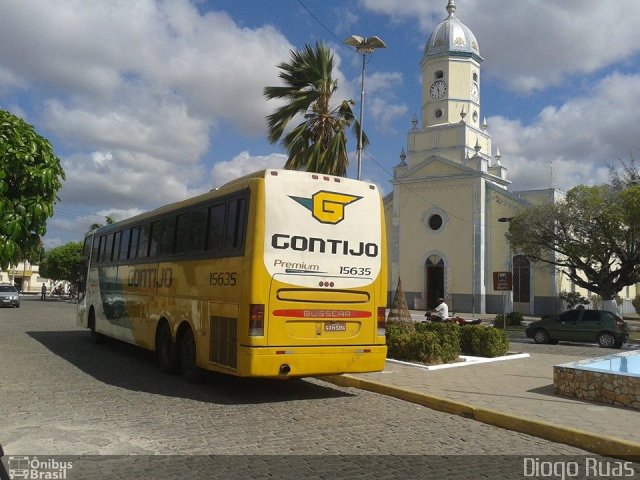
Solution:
(148, 102)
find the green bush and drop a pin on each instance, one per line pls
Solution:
(447, 337)
(429, 343)
(469, 337)
(399, 346)
(513, 319)
(493, 343)
(398, 327)
(574, 300)
(481, 341)
(436, 343)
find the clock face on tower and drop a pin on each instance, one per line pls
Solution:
(438, 89)
(474, 92)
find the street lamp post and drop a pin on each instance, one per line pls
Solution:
(504, 313)
(364, 46)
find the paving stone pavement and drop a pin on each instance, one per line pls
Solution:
(62, 395)
(522, 387)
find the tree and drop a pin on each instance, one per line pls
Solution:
(30, 176)
(630, 174)
(109, 219)
(319, 143)
(593, 237)
(61, 263)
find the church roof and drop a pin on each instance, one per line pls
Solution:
(452, 37)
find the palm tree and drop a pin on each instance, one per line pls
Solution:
(319, 143)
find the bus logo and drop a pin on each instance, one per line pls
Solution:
(327, 207)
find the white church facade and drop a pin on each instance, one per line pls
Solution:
(449, 210)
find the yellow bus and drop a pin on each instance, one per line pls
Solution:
(277, 274)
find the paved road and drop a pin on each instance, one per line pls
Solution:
(62, 395)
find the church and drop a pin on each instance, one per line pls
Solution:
(450, 207)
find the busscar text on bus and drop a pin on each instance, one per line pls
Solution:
(276, 274)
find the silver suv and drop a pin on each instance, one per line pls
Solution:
(9, 296)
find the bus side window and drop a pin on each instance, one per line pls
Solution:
(124, 245)
(154, 238)
(116, 246)
(103, 249)
(143, 244)
(234, 229)
(106, 257)
(197, 230)
(133, 246)
(182, 230)
(216, 223)
(97, 248)
(168, 235)
(87, 247)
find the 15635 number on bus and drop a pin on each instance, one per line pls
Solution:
(222, 279)
(355, 271)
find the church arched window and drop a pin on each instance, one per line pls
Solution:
(439, 74)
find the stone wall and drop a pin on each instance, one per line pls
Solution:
(609, 388)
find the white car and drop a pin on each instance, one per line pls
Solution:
(9, 296)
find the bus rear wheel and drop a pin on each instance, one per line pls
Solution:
(188, 363)
(166, 351)
(96, 337)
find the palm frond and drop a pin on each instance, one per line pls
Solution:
(318, 143)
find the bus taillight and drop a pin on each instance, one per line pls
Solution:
(381, 316)
(256, 320)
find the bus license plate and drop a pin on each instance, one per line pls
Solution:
(335, 327)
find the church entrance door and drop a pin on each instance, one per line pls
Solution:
(434, 281)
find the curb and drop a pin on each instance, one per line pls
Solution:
(599, 444)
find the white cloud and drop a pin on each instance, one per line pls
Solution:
(531, 44)
(383, 106)
(244, 164)
(141, 55)
(119, 179)
(580, 139)
(162, 128)
(134, 91)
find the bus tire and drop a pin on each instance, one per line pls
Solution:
(96, 337)
(188, 357)
(166, 350)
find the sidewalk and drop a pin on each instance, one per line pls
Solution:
(517, 395)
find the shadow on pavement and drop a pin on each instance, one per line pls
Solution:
(126, 366)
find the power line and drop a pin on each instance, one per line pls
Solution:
(321, 24)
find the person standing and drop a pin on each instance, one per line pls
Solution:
(43, 292)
